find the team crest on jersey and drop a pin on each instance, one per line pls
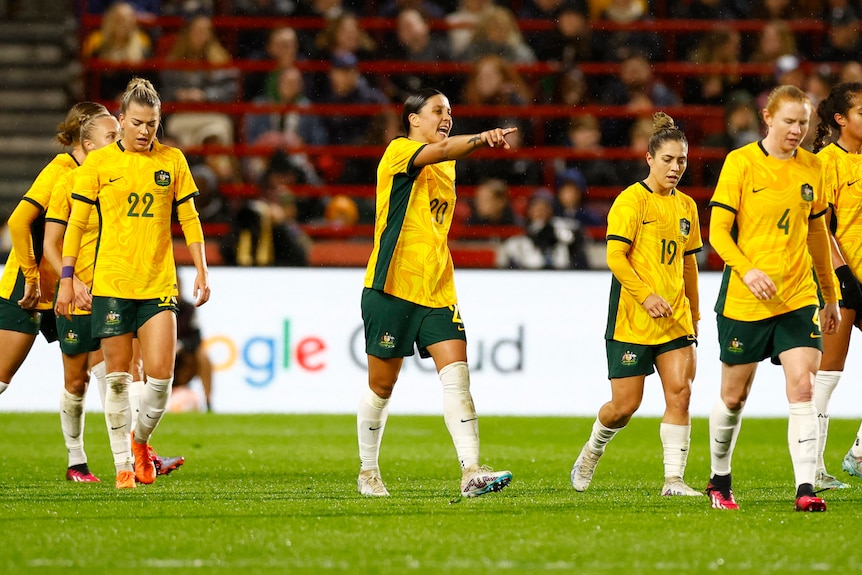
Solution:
(112, 318)
(684, 226)
(71, 337)
(629, 358)
(162, 178)
(735, 346)
(807, 193)
(387, 340)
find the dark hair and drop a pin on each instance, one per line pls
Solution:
(664, 130)
(69, 130)
(414, 103)
(841, 98)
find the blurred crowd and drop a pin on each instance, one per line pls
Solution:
(496, 38)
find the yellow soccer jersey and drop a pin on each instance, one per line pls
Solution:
(134, 194)
(842, 182)
(411, 258)
(39, 195)
(772, 201)
(661, 231)
(59, 210)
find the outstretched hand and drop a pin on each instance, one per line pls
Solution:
(497, 137)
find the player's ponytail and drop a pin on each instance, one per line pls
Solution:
(69, 130)
(840, 100)
(140, 91)
(664, 129)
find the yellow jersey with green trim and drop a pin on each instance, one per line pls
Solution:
(411, 258)
(134, 193)
(660, 231)
(59, 210)
(39, 195)
(772, 201)
(842, 182)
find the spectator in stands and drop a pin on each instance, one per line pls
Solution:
(414, 41)
(571, 192)
(616, 45)
(191, 360)
(584, 134)
(348, 86)
(290, 128)
(634, 169)
(639, 90)
(773, 10)
(212, 206)
(497, 33)
(463, 22)
(250, 41)
(491, 205)
(429, 9)
(741, 127)
(571, 39)
(282, 48)
(850, 72)
(119, 39)
(720, 46)
(341, 212)
(548, 242)
(843, 41)
(145, 9)
(197, 42)
(343, 34)
(775, 40)
(711, 9)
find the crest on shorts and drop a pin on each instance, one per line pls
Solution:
(735, 346)
(71, 337)
(807, 192)
(684, 226)
(162, 178)
(112, 318)
(629, 358)
(387, 340)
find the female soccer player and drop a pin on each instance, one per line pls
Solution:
(136, 183)
(409, 296)
(653, 236)
(767, 225)
(28, 283)
(842, 169)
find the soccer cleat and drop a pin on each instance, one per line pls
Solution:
(810, 503)
(81, 477)
(478, 480)
(674, 486)
(824, 481)
(852, 464)
(720, 500)
(370, 483)
(164, 465)
(125, 480)
(145, 471)
(583, 469)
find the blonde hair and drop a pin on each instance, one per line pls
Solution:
(89, 124)
(69, 130)
(140, 91)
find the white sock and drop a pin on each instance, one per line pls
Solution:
(802, 439)
(118, 418)
(157, 393)
(824, 385)
(600, 437)
(370, 424)
(136, 390)
(99, 371)
(72, 424)
(459, 412)
(724, 425)
(3, 387)
(856, 448)
(675, 440)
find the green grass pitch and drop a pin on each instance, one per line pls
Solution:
(277, 494)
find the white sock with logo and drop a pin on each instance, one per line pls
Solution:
(856, 448)
(370, 423)
(600, 436)
(724, 425)
(675, 441)
(802, 433)
(118, 418)
(154, 399)
(459, 412)
(72, 424)
(824, 385)
(136, 390)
